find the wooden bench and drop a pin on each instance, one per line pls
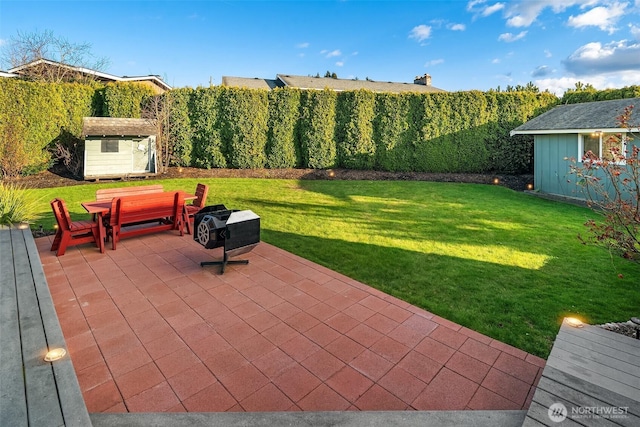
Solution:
(105, 194)
(143, 214)
(33, 392)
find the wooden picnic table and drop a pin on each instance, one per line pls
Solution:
(102, 209)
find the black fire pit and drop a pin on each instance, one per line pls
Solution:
(237, 231)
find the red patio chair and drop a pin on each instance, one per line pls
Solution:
(69, 232)
(189, 211)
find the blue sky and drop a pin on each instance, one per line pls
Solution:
(463, 45)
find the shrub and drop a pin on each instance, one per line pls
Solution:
(15, 206)
(612, 188)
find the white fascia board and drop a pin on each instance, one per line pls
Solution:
(568, 131)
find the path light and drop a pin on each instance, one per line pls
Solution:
(529, 186)
(55, 354)
(574, 322)
(496, 181)
(331, 173)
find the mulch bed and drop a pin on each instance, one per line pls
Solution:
(58, 177)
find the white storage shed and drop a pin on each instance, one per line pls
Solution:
(118, 148)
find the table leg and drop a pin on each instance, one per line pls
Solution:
(102, 233)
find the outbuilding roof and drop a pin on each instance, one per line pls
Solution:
(572, 118)
(111, 126)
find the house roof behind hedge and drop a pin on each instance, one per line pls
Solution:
(111, 126)
(320, 83)
(251, 83)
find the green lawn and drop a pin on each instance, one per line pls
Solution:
(503, 263)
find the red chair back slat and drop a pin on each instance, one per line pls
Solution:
(202, 191)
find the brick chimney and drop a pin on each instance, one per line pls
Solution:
(423, 80)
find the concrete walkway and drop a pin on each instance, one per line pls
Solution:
(150, 330)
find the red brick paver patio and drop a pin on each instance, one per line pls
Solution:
(150, 330)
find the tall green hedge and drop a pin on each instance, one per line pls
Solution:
(393, 133)
(217, 127)
(574, 96)
(180, 126)
(317, 128)
(124, 99)
(205, 121)
(244, 132)
(282, 146)
(355, 111)
(33, 115)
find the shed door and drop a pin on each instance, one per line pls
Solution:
(143, 153)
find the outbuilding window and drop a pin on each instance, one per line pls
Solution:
(109, 146)
(603, 145)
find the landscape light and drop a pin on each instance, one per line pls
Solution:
(55, 354)
(574, 322)
(496, 181)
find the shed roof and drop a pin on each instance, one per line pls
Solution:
(586, 116)
(111, 126)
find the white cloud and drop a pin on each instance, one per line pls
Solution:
(3, 42)
(541, 71)
(509, 37)
(547, 53)
(524, 13)
(495, 61)
(434, 62)
(480, 8)
(339, 64)
(302, 45)
(594, 58)
(600, 81)
(456, 27)
(602, 17)
(330, 54)
(420, 33)
(634, 30)
(557, 86)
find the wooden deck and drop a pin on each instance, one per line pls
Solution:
(595, 374)
(32, 392)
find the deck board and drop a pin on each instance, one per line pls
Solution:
(13, 404)
(34, 392)
(590, 367)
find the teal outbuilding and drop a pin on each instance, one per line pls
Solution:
(567, 132)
